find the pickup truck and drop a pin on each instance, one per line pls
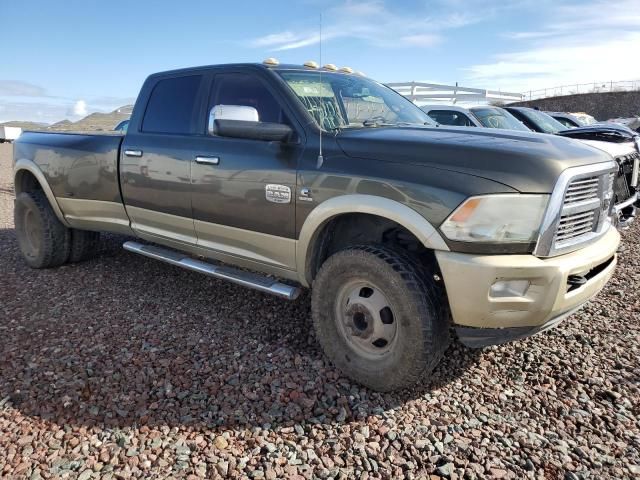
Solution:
(282, 177)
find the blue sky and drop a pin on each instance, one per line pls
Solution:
(73, 57)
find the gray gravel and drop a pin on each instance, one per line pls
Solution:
(122, 367)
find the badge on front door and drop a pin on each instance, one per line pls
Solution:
(277, 193)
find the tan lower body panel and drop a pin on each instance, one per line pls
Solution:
(222, 256)
(161, 224)
(95, 215)
(468, 280)
(255, 246)
(213, 240)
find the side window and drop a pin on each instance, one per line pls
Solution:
(451, 117)
(172, 105)
(237, 95)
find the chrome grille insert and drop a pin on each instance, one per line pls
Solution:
(575, 225)
(580, 190)
(579, 209)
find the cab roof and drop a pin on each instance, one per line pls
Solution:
(280, 66)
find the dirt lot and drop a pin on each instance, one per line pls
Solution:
(122, 367)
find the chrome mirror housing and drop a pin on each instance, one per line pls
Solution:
(231, 112)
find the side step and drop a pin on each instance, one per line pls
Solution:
(246, 279)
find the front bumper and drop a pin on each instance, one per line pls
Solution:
(550, 296)
(625, 212)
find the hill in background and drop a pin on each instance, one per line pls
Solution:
(91, 123)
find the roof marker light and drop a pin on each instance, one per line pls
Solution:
(346, 70)
(310, 64)
(330, 66)
(272, 62)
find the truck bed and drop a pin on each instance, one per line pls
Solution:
(76, 165)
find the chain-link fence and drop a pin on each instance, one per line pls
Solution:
(593, 87)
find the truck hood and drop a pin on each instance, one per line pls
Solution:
(527, 162)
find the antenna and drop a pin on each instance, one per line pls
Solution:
(320, 157)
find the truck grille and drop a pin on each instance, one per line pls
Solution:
(575, 225)
(579, 209)
(580, 190)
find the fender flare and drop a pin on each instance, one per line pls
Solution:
(24, 164)
(368, 204)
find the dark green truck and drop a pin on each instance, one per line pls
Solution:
(279, 177)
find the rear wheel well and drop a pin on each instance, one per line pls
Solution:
(25, 181)
(360, 228)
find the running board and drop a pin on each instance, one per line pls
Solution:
(246, 279)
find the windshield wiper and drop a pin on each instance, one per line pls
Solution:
(419, 124)
(378, 121)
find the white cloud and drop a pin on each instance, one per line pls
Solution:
(80, 108)
(589, 42)
(275, 39)
(16, 88)
(374, 23)
(421, 39)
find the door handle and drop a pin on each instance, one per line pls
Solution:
(208, 160)
(133, 153)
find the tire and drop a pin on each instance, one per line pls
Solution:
(84, 245)
(412, 325)
(44, 241)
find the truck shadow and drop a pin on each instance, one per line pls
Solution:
(124, 341)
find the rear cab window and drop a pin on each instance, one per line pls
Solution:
(173, 105)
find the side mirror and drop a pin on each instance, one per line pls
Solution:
(231, 112)
(266, 131)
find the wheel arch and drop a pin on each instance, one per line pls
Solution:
(28, 177)
(321, 216)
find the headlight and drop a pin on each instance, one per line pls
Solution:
(497, 219)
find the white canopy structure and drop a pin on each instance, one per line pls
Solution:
(420, 92)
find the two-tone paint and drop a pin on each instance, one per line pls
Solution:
(151, 186)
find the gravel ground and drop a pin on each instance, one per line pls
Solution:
(122, 367)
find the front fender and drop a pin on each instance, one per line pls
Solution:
(357, 203)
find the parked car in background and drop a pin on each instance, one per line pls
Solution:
(480, 116)
(536, 120)
(632, 123)
(567, 119)
(577, 120)
(451, 115)
(9, 134)
(584, 118)
(496, 117)
(330, 180)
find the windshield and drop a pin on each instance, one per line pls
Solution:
(346, 101)
(584, 118)
(498, 118)
(545, 122)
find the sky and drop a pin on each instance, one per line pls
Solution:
(65, 59)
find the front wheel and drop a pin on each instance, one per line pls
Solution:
(379, 316)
